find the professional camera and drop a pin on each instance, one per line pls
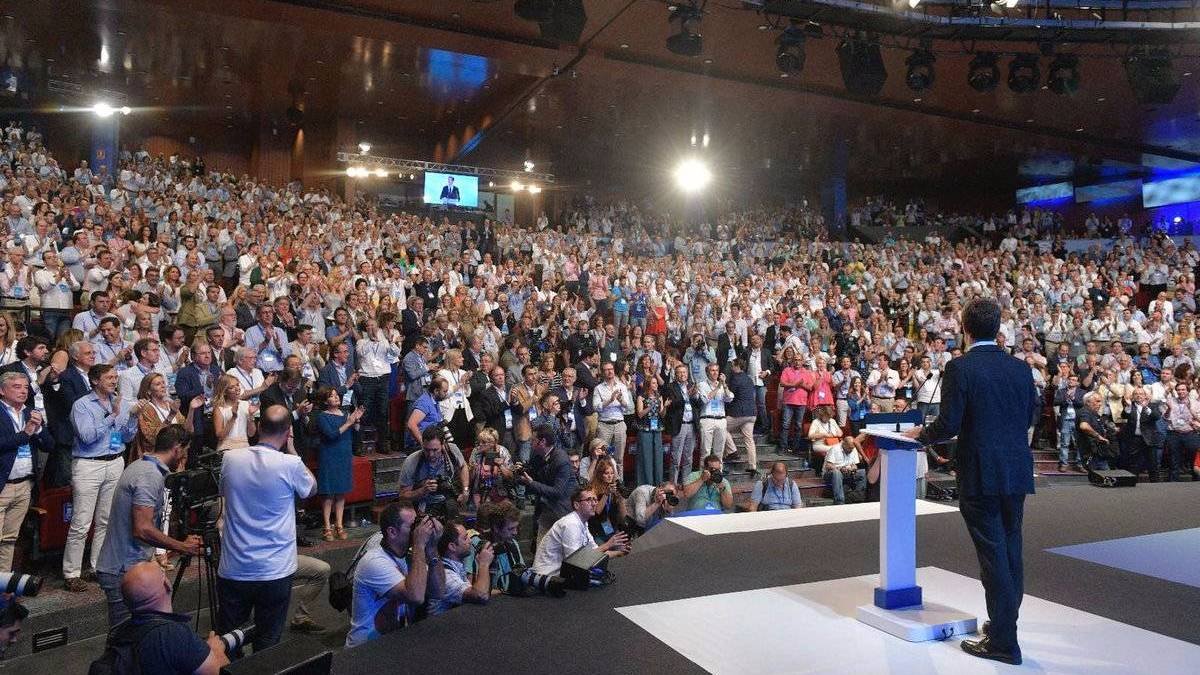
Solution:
(716, 476)
(26, 585)
(524, 582)
(445, 508)
(672, 498)
(443, 430)
(236, 638)
(197, 486)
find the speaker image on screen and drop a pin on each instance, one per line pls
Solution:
(581, 566)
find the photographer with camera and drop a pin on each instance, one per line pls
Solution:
(777, 491)
(490, 468)
(499, 522)
(137, 507)
(708, 489)
(570, 533)
(454, 547)
(21, 438)
(258, 547)
(428, 477)
(388, 586)
(155, 640)
(550, 477)
(1097, 434)
(649, 504)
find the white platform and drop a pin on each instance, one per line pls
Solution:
(811, 628)
(730, 523)
(923, 623)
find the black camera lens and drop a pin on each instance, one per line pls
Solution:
(672, 499)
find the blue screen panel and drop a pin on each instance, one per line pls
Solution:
(1116, 190)
(1040, 193)
(1171, 191)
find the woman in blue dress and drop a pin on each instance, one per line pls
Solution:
(336, 430)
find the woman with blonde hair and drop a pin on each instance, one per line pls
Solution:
(8, 339)
(231, 416)
(159, 410)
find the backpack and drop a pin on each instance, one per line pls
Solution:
(120, 655)
(341, 584)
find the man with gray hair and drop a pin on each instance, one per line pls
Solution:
(22, 435)
(250, 377)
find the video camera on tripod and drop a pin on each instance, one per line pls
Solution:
(192, 492)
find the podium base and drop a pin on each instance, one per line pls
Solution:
(921, 623)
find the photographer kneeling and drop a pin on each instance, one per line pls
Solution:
(776, 492)
(137, 508)
(708, 490)
(425, 477)
(648, 504)
(570, 533)
(154, 640)
(389, 587)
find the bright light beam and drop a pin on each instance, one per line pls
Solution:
(692, 175)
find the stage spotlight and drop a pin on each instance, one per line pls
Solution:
(534, 189)
(528, 165)
(862, 67)
(125, 110)
(381, 173)
(103, 109)
(984, 74)
(1063, 77)
(1151, 76)
(687, 42)
(789, 52)
(364, 147)
(691, 175)
(1024, 75)
(534, 10)
(516, 186)
(912, 4)
(920, 74)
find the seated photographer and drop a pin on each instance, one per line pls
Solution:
(388, 586)
(610, 510)
(570, 533)
(454, 547)
(426, 411)
(422, 472)
(490, 466)
(777, 491)
(841, 467)
(12, 613)
(133, 523)
(549, 476)
(596, 451)
(648, 504)
(498, 522)
(708, 489)
(154, 637)
(258, 546)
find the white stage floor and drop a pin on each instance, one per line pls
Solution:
(811, 628)
(731, 523)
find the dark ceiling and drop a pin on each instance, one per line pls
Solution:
(468, 81)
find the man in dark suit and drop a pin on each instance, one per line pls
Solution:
(729, 347)
(412, 319)
(289, 391)
(549, 476)
(1141, 439)
(198, 378)
(61, 393)
(681, 422)
(989, 401)
(576, 402)
(224, 358)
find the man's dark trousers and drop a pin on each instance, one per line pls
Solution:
(268, 600)
(994, 523)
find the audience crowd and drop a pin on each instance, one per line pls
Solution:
(602, 364)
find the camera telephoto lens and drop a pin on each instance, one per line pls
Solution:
(20, 585)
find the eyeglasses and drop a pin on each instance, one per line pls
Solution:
(589, 499)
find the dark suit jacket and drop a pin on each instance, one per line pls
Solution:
(584, 377)
(675, 396)
(723, 344)
(1150, 416)
(552, 483)
(187, 382)
(579, 412)
(274, 395)
(328, 377)
(989, 401)
(71, 386)
(225, 358)
(1061, 402)
(491, 409)
(11, 440)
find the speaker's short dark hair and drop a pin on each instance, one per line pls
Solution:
(981, 318)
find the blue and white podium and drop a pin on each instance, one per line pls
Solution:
(898, 608)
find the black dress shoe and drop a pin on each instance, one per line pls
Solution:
(984, 650)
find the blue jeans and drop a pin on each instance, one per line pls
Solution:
(118, 611)
(790, 412)
(1066, 434)
(836, 480)
(650, 458)
(620, 320)
(760, 406)
(267, 600)
(57, 321)
(929, 410)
